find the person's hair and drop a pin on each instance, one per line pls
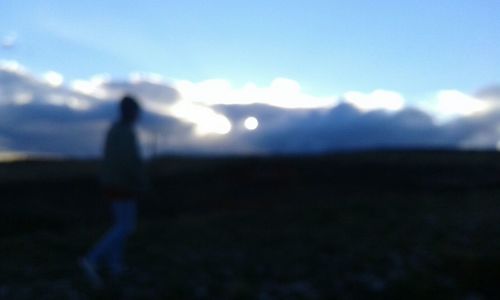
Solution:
(129, 107)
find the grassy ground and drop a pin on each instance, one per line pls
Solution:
(379, 226)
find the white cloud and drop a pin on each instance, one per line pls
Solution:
(207, 121)
(13, 66)
(378, 99)
(93, 87)
(53, 78)
(282, 92)
(451, 104)
(194, 114)
(153, 91)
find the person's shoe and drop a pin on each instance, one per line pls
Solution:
(91, 273)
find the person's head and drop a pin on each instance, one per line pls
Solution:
(129, 109)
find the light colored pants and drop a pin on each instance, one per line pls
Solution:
(109, 250)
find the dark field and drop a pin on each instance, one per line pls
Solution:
(377, 225)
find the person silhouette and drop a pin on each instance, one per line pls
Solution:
(123, 180)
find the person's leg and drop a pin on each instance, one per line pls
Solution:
(90, 262)
(126, 217)
(112, 239)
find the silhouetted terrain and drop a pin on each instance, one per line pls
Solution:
(379, 225)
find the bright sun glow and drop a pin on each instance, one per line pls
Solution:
(251, 123)
(450, 104)
(53, 78)
(206, 120)
(456, 103)
(11, 156)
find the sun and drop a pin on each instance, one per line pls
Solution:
(251, 123)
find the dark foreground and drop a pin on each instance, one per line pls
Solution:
(388, 225)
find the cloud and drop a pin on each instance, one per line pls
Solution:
(37, 116)
(450, 104)
(9, 40)
(53, 78)
(282, 92)
(206, 119)
(343, 127)
(491, 94)
(47, 115)
(379, 99)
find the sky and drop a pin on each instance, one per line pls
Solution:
(198, 62)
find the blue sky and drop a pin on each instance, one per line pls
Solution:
(414, 47)
(314, 75)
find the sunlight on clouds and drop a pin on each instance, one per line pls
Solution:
(207, 121)
(12, 66)
(53, 78)
(83, 86)
(450, 104)
(457, 103)
(93, 87)
(282, 92)
(191, 103)
(379, 99)
(9, 156)
(214, 91)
